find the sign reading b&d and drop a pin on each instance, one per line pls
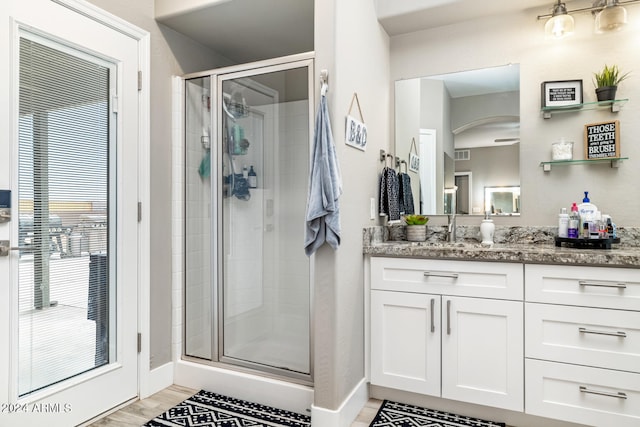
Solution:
(602, 140)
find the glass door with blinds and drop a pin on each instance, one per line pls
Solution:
(65, 231)
(71, 340)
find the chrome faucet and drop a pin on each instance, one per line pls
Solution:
(451, 227)
(451, 218)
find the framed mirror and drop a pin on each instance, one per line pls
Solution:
(466, 126)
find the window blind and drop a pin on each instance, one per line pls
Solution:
(63, 188)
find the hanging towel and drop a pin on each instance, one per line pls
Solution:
(406, 195)
(205, 165)
(388, 201)
(325, 186)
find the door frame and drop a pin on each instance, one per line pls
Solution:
(142, 38)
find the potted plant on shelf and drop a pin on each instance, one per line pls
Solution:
(607, 81)
(416, 227)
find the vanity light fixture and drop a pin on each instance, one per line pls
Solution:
(610, 15)
(561, 23)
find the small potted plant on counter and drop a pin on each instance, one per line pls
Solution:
(607, 81)
(416, 227)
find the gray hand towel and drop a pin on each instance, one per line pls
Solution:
(388, 202)
(406, 195)
(325, 186)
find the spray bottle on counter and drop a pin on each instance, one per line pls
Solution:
(573, 231)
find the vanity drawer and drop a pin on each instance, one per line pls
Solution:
(465, 278)
(584, 336)
(603, 287)
(591, 396)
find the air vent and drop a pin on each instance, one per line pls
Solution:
(462, 155)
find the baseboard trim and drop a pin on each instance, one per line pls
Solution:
(346, 413)
(241, 385)
(157, 379)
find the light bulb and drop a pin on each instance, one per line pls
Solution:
(559, 26)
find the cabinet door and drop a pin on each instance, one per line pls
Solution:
(482, 351)
(405, 341)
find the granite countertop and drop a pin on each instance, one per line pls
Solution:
(535, 246)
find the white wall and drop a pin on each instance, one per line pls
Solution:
(352, 46)
(519, 38)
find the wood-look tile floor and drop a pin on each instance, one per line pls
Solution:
(138, 413)
(141, 411)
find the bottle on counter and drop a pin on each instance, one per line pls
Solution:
(253, 178)
(245, 172)
(573, 231)
(563, 223)
(587, 212)
(487, 229)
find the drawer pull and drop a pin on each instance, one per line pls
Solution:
(433, 320)
(448, 317)
(448, 275)
(618, 395)
(592, 331)
(603, 285)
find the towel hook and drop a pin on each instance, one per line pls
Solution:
(324, 80)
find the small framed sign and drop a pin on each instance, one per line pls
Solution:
(562, 93)
(602, 140)
(414, 163)
(356, 133)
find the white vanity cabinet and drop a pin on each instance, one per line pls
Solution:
(448, 328)
(582, 348)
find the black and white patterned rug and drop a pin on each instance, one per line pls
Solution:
(393, 414)
(206, 409)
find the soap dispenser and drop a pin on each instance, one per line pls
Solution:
(487, 229)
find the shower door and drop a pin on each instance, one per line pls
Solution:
(259, 167)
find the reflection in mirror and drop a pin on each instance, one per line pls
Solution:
(502, 200)
(467, 128)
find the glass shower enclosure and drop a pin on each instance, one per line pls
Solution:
(247, 281)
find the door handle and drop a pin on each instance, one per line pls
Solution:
(5, 247)
(433, 321)
(448, 317)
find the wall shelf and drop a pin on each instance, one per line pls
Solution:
(615, 162)
(614, 105)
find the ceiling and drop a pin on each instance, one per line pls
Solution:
(249, 30)
(406, 16)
